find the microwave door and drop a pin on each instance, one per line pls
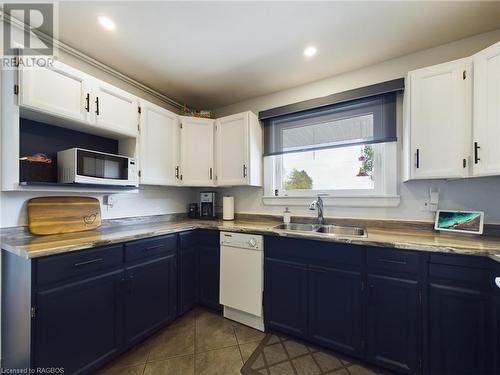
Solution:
(99, 168)
(89, 164)
(115, 168)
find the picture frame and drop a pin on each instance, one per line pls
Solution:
(470, 222)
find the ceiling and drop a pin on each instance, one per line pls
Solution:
(211, 54)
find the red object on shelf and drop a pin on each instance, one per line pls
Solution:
(361, 173)
(362, 156)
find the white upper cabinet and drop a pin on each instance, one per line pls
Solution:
(486, 112)
(60, 91)
(197, 151)
(438, 121)
(239, 150)
(115, 109)
(63, 93)
(159, 146)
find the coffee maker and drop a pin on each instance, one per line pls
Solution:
(207, 204)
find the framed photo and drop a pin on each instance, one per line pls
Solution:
(470, 222)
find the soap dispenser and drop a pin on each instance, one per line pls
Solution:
(287, 216)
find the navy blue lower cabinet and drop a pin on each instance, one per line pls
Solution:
(285, 305)
(458, 322)
(151, 297)
(209, 274)
(336, 309)
(209, 268)
(496, 353)
(394, 323)
(77, 324)
(187, 272)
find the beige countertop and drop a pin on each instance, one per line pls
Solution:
(20, 242)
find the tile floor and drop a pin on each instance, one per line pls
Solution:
(201, 342)
(280, 355)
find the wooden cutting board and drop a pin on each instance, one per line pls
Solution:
(53, 215)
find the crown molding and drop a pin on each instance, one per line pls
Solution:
(93, 62)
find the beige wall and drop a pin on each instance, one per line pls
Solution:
(473, 194)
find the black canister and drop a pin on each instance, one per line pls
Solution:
(193, 210)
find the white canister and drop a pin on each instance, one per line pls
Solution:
(228, 208)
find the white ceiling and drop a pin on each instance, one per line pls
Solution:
(210, 54)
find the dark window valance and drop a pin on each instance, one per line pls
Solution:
(366, 120)
(359, 93)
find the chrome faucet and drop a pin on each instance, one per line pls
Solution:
(318, 204)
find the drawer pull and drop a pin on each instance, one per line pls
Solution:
(153, 247)
(92, 261)
(401, 262)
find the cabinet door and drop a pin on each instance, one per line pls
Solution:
(440, 118)
(188, 279)
(285, 296)
(393, 323)
(115, 110)
(496, 354)
(197, 152)
(151, 297)
(59, 91)
(335, 309)
(209, 274)
(77, 324)
(486, 121)
(457, 330)
(159, 140)
(232, 150)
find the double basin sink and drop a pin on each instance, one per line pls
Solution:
(330, 230)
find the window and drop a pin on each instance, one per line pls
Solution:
(344, 149)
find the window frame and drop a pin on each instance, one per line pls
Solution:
(384, 193)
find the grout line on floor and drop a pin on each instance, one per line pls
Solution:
(168, 358)
(214, 349)
(238, 344)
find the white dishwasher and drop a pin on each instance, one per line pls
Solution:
(242, 277)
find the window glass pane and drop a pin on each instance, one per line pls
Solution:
(342, 168)
(331, 132)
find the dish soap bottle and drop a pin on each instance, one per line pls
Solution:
(287, 216)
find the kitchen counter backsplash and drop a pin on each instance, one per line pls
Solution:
(381, 233)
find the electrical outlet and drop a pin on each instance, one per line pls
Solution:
(109, 200)
(425, 206)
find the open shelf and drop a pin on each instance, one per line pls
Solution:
(81, 188)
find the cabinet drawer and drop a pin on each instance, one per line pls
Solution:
(60, 267)
(150, 247)
(187, 239)
(461, 260)
(312, 252)
(463, 275)
(391, 260)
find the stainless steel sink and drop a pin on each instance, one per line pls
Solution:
(297, 227)
(342, 231)
(330, 230)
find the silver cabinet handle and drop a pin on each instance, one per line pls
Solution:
(97, 260)
(497, 281)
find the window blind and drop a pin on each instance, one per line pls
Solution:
(360, 121)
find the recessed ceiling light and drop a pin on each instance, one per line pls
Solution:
(310, 51)
(106, 22)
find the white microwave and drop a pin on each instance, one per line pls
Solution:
(80, 166)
